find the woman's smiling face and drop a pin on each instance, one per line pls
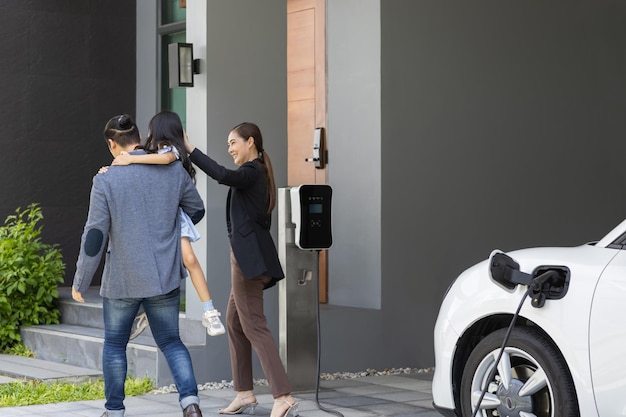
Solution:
(242, 150)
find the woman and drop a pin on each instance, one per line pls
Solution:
(254, 266)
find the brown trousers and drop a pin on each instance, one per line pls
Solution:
(247, 328)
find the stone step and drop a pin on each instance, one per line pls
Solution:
(79, 339)
(89, 314)
(19, 368)
(82, 346)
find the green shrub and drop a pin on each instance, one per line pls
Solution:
(19, 349)
(29, 273)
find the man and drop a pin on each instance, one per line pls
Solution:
(134, 209)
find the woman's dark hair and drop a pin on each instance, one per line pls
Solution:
(122, 130)
(247, 130)
(165, 128)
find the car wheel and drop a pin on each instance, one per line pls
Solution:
(532, 378)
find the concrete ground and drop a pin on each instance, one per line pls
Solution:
(401, 395)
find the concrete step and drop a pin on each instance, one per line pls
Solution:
(87, 314)
(18, 368)
(79, 339)
(82, 346)
(191, 331)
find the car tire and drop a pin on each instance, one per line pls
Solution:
(532, 378)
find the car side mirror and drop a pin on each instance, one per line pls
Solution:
(505, 271)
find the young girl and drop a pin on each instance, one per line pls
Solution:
(165, 138)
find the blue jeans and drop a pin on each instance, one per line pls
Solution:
(162, 312)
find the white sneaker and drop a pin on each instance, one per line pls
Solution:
(211, 320)
(139, 325)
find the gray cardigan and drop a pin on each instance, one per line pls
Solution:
(134, 208)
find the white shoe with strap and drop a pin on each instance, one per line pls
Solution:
(211, 320)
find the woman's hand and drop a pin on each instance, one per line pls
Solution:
(103, 170)
(124, 158)
(188, 144)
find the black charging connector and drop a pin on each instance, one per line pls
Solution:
(538, 290)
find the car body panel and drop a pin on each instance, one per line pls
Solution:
(474, 297)
(607, 339)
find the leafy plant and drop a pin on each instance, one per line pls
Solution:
(19, 349)
(29, 272)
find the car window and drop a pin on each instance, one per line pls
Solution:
(619, 243)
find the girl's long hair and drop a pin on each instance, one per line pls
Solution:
(165, 128)
(246, 130)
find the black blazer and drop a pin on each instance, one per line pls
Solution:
(246, 219)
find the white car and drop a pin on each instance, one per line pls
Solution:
(565, 354)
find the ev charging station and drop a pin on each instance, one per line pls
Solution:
(304, 228)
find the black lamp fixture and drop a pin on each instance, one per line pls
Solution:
(182, 66)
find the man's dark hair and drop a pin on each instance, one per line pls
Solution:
(122, 130)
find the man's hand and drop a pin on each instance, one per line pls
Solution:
(77, 296)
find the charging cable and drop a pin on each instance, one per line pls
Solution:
(537, 293)
(319, 348)
(492, 374)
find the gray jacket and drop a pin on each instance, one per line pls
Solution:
(134, 208)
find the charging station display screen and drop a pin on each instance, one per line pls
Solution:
(315, 208)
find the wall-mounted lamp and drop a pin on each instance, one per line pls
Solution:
(182, 66)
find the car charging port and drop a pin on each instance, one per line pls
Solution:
(549, 283)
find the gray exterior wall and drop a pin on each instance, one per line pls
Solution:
(65, 71)
(502, 127)
(354, 171)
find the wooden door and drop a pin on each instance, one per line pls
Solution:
(306, 99)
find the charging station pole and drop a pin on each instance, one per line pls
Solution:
(297, 302)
